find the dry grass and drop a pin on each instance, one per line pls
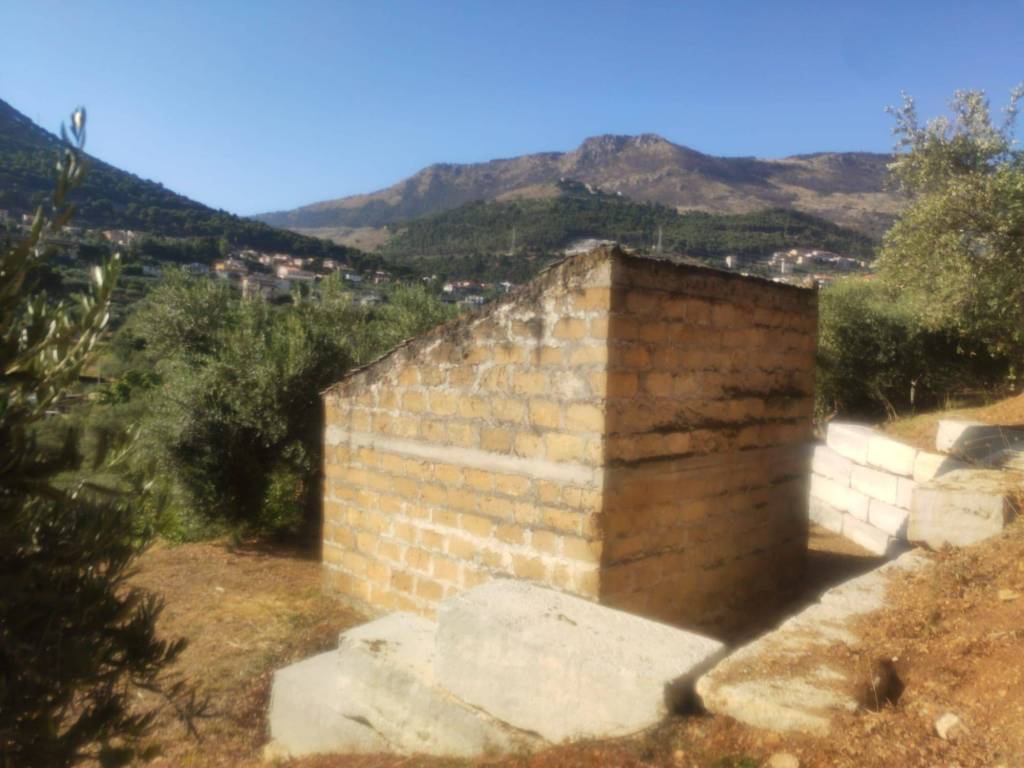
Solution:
(249, 611)
(920, 430)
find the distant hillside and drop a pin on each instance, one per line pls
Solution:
(112, 198)
(553, 223)
(475, 240)
(846, 188)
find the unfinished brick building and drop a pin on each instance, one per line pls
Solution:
(626, 429)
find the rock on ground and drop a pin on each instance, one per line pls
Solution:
(779, 681)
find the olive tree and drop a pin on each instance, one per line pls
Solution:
(76, 639)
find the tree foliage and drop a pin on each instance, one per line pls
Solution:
(75, 637)
(957, 253)
(236, 419)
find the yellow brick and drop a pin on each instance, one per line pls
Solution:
(353, 563)
(512, 485)
(379, 572)
(429, 590)
(599, 327)
(409, 377)
(463, 435)
(433, 431)
(474, 407)
(479, 479)
(511, 534)
(589, 356)
(642, 303)
(599, 384)
(431, 540)
(581, 549)
(548, 356)
(445, 517)
(548, 492)
(366, 542)
(447, 474)
(529, 445)
(495, 379)
(464, 549)
(495, 439)
(585, 418)
(544, 541)
(586, 582)
(545, 414)
(559, 447)
(530, 383)
(462, 500)
(389, 550)
(418, 559)
(509, 353)
(447, 570)
(402, 581)
(442, 403)
(658, 384)
(570, 328)
(593, 298)
(474, 578)
(531, 568)
(405, 426)
(495, 506)
(560, 519)
(621, 384)
(478, 526)
(527, 514)
(434, 494)
(413, 402)
(508, 410)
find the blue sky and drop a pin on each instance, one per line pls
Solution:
(255, 106)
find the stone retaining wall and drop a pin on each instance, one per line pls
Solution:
(863, 481)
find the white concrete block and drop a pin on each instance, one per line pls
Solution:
(377, 693)
(560, 666)
(905, 492)
(875, 483)
(873, 539)
(891, 455)
(963, 507)
(930, 465)
(849, 440)
(828, 463)
(858, 504)
(892, 520)
(824, 514)
(829, 491)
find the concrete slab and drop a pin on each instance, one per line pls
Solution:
(828, 463)
(759, 684)
(875, 483)
(562, 667)
(377, 693)
(974, 439)
(849, 440)
(891, 455)
(963, 507)
(930, 465)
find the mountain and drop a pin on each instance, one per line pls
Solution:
(846, 188)
(115, 199)
(551, 224)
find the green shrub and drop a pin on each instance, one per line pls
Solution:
(876, 356)
(236, 420)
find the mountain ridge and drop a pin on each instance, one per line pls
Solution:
(111, 197)
(844, 187)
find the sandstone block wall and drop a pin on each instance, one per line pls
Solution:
(626, 430)
(709, 407)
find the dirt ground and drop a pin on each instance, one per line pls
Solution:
(919, 431)
(958, 634)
